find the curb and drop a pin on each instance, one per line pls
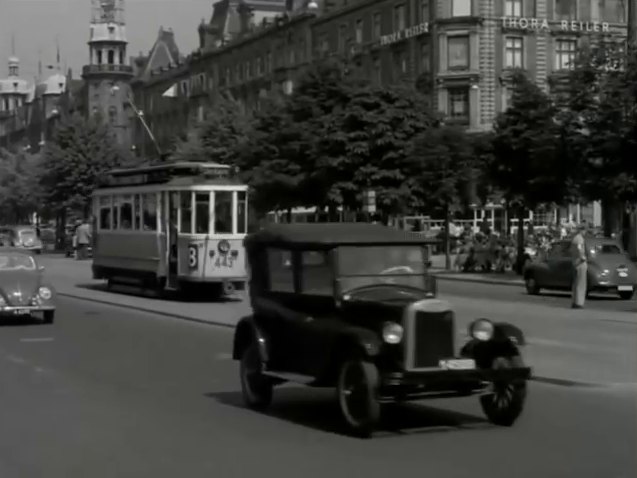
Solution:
(540, 379)
(444, 277)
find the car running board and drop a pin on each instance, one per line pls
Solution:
(290, 377)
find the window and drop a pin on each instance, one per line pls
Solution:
(185, 200)
(126, 213)
(223, 212)
(400, 62)
(116, 203)
(613, 11)
(425, 57)
(513, 55)
(425, 8)
(508, 97)
(111, 57)
(242, 212)
(138, 212)
(99, 57)
(376, 26)
(460, 8)
(323, 43)
(202, 213)
(565, 9)
(458, 103)
(399, 17)
(121, 57)
(458, 52)
(316, 273)
(565, 54)
(513, 8)
(281, 270)
(268, 62)
(105, 208)
(359, 31)
(377, 71)
(149, 203)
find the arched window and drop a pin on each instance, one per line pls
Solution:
(112, 115)
(121, 57)
(111, 57)
(99, 57)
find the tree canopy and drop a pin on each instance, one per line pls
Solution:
(19, 192)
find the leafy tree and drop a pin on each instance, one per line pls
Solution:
(526, 166)
(441, 164)
(599, 126)
(74, 160)
(217, 138)
(19, 192)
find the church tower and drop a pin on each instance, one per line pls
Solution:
(107, 75)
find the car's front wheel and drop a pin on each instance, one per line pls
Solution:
(255, 387)
(357, 396)
(505, 402)
(532, 287)
(626, 294)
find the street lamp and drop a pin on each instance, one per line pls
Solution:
(140, 115)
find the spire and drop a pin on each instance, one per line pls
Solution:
(57, 56)
(40, 64)
(12, 44)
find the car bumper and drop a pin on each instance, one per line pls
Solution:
(438, 382)
(12, 311)
(613, 287)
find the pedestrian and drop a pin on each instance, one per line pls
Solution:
(83, 235)
(580, 267)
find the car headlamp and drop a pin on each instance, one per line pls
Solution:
(604, 273)
(481, 329)
(45, 293)
(392, 333)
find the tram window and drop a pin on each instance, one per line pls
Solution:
(223, 212)
(116, 203)
(126, 213)
(202, 213)
(242, 212)
(105, 212)
(138, 212)
(186, 212)
(149, 204)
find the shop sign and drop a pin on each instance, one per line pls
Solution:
(401, 35)
(542, 24)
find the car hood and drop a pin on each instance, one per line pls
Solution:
(18, 287)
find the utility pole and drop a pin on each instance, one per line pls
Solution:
(632, 24)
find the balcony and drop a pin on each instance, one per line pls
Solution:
(88, 70)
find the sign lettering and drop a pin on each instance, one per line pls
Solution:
(542, 24)
(400, 35)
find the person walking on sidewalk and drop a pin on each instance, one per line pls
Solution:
(580, 267)
(83, 235)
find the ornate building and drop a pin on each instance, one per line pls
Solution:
(107, 76)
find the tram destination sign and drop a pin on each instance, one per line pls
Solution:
(404, 34)
(544, 25)
(165, 175)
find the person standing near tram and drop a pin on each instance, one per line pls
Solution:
(580, 267)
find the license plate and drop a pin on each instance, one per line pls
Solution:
(224, 261)
(457, 364)
(624, 288)
(21, 312)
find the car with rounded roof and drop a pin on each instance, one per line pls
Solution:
(354, 306)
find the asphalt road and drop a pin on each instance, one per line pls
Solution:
(597, 301)
(105, 392)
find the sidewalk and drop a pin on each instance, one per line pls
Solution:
(565, 346)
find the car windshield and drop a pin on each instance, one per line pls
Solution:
(605, 249)
(361, 266)
(27, 233)
(12, 262)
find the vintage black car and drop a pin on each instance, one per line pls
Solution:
(352, 306)
(23, 290)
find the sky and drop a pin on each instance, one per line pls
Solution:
(37, 23)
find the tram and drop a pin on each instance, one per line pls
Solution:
(176, 227)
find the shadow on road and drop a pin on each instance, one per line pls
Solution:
(20, 321)
(302, 407)
(133, 291)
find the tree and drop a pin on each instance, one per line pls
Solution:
(600, 126)
(218, 137)
(441, 164)
(526, 166)
(78, 155)
(19, 192)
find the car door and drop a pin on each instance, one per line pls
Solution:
(554, 273)
(563, 266)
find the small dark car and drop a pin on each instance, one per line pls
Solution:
(609, 269)
(352, 306)
(23, 290)
(21, 236)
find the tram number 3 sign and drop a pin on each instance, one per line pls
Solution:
(193, 256)
(224, 261)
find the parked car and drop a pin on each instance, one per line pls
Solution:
(353, 306)
(23, 237)
(609, 268)
(23, 289)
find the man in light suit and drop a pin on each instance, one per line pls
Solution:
(580, 267)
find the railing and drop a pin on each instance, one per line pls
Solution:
(89, 69)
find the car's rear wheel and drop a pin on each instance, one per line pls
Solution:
(504, 404)
(531, 284)
(48, 316)
(357, 396)
(255, 387)
(626, 294)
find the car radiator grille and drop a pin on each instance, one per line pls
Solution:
(433, 338)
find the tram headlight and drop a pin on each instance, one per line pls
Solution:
(223, 246)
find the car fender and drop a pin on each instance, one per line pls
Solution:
(246, 331)
(506, 342)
